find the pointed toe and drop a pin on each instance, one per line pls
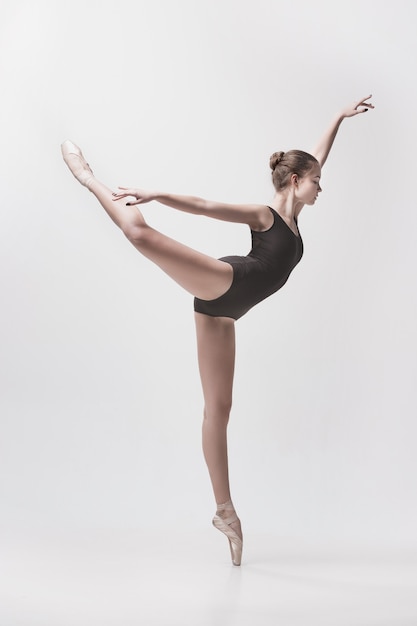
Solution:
(224, 525)
(76, 162)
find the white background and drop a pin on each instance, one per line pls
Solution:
(100, 398)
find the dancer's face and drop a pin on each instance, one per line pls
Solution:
(308, 187)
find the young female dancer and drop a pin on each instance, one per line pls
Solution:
(224, 289)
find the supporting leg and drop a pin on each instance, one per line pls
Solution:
(216, 357)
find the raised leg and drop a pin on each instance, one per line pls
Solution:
(216, 358)
(201, 275)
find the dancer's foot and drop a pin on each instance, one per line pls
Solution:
(228, 523)
(79, 167)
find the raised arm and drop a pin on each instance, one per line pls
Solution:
(256, 216)
(321, 151)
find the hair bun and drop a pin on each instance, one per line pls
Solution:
(275, 159)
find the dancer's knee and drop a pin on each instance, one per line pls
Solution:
(218, 411)
(138, 233)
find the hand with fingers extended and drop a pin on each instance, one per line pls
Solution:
(357, 107)
(141, 195)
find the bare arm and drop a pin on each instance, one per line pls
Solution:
(321, 151)
(255, 215)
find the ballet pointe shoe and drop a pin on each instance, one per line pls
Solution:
(77, 164)
(224, 525)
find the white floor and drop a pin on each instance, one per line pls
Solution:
(133, 578)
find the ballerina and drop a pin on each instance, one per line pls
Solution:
(227, 288)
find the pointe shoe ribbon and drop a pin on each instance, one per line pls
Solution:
(77, 164)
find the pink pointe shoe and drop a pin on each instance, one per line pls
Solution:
(224, 525)
(77, 164)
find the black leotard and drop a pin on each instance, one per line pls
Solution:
(274, 254)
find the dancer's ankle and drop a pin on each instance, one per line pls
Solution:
(225, 509)
(89, 183)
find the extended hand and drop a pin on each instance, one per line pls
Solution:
(141, 195)
(358, 107)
